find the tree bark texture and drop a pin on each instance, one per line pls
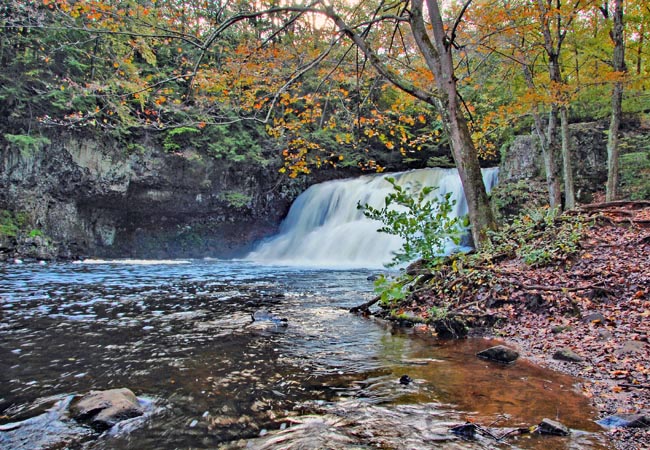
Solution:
(438, 56)
(618, 63)
(549, 149)
(567, 169)
(553, 45)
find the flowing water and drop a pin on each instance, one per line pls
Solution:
(324, 228)
(181, 335)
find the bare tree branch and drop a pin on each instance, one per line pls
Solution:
(376, 61)
(452, 38)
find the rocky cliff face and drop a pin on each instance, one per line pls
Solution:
(522, 181)
(523, 159)
(84, 196)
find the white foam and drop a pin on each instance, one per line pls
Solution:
(135, 262)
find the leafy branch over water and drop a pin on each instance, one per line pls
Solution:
(424, 222)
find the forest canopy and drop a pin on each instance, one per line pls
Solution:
(164, 64)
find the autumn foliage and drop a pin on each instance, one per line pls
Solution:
(163, 64)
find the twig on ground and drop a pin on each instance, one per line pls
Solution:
(634, 386)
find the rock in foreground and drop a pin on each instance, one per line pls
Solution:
(566, 354)
(103, 409)
(552, 427)
(626, 421)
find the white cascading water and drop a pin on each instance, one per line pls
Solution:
(324, 228)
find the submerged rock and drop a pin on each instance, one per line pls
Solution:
(467, 430)
(103, 409)
(500, 354)
(51, 429)
(405, 380)
(450, 328)
(552, 427)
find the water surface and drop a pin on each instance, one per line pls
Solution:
(180, 334)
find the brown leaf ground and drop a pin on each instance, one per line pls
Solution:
(611, 330)
(597, 305)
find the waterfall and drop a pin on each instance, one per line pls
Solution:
(324, 228)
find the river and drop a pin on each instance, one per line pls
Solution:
(180, 334)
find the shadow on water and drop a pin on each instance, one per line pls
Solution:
(182, 335)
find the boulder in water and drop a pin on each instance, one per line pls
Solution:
(500, 354)
(467, 430)
(552, 427)
(103, 409)
(49, 429)
(263, 315)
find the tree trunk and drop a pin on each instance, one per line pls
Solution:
(548, 148)
(550, 162)
(437, 54)
(569, 189)
(639, 51)
(553, 153)
(560, 107)
(618, 63)
(553, 44)
(439, 60)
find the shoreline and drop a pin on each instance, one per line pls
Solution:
(606, 396)
(588, 317)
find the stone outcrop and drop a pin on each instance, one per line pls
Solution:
(523, 159)
(94, 197)
(552, 427)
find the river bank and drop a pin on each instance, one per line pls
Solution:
(587, 317)
(606, 344)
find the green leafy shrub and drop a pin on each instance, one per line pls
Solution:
(175, 137)
(444, 162)
(511, 198)
(635, 175)
(135, 148)
(36, 233)
(390, 290)
(234, 143)
(438, 312)
(11, 223)
(236, 199)
(422, 221)
(634, 165)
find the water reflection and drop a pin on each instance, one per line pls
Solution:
(182, 335)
